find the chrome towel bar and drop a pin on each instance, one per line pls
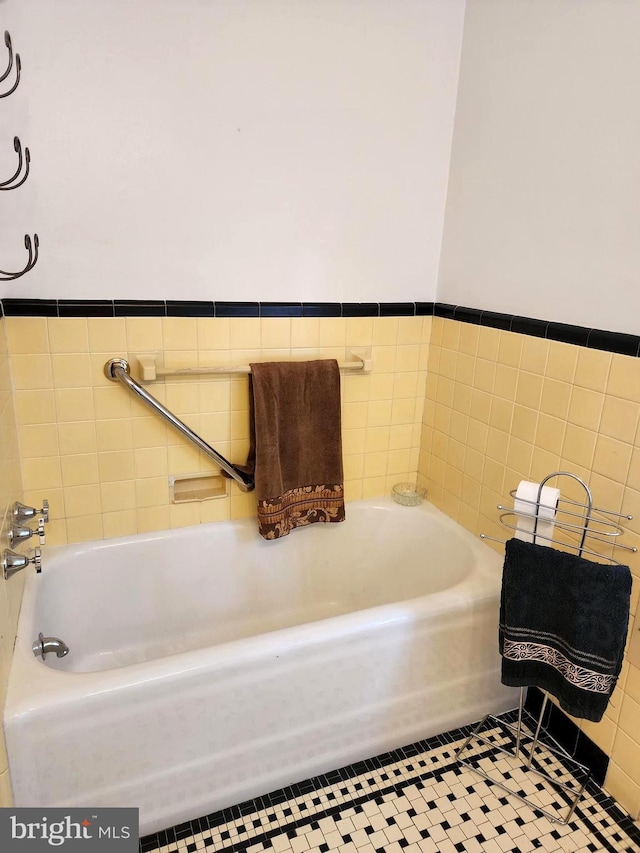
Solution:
(117, 370)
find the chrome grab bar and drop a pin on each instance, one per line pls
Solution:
(117, 370)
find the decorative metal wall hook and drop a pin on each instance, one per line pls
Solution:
(10, 185)
(32, 248)
(7, 41)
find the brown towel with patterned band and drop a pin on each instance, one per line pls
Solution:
(296, 444)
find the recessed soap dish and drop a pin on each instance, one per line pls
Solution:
(197, 487)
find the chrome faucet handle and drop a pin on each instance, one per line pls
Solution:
(12, 562)
(22, 513)
(18, 534)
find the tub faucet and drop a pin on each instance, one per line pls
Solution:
(45, 645)
(13, 562)
(20, 533)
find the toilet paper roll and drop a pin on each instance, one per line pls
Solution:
(525, 508)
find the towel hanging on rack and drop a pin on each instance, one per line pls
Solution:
(563, 625)
(296, 444)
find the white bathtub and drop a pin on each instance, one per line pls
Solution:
(208, 666)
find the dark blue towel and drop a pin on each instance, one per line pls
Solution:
(563, 625)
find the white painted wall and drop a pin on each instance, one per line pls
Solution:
(231, 149)
(543, 210)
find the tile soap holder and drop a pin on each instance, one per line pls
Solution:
(408, 494)
(197, 487)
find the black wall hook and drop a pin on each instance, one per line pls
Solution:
(9, 46)
(32, 248)
(10, 184)
(7, 41)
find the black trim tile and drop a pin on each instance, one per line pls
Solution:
(529, 326)
(237, 309)
(397, 309)
(424, 309)
(180, 308)
(590, 754)
(30, 307)
(360, 309)
(321, 309)
(562, 729)
(281, 309)
(614, 342)
(139, 308)
(443, 309)
(85, 308)
(568, 334)
(467, 315)
(496, 320)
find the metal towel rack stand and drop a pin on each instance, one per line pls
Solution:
(581, 521)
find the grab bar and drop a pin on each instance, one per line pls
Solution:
(117, 370)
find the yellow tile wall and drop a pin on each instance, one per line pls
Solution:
(11, 590)
(501, 407)
(103, 459)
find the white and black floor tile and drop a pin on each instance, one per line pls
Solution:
(418, 799)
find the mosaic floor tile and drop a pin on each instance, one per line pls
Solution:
(419, 799)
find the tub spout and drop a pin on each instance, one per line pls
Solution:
(45, 645)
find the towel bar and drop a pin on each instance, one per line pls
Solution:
(150, 369)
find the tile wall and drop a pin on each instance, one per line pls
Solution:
(494, 407)
(103, 459)
(10, 491)
(501, 407)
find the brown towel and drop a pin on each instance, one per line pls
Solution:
(296, 444)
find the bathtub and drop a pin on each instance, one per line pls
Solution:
(208, 666)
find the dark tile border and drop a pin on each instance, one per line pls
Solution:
(467, 315)
(189, 309)
(397, 309)
(30, 307)
(85, 308)
(496, 320)
(139, 308)
(281, 309)
(360, 309)
(529, 326)
(321, 309)
(237, 309)
(615, 342)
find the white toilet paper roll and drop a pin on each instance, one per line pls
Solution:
(525, 508)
